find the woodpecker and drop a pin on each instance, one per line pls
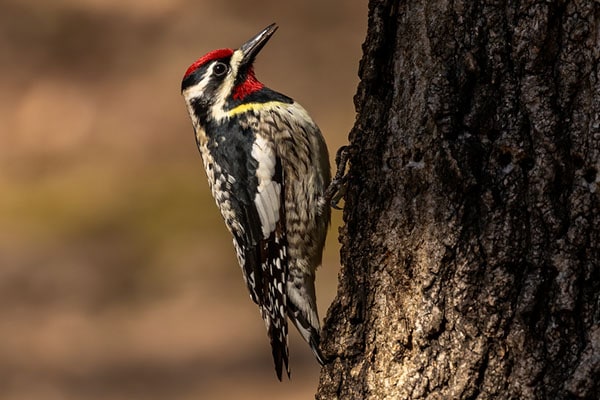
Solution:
(268, 169)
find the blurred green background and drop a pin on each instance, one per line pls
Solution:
(118, 279)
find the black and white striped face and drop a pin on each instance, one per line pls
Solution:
(209, 81)
(220, 76)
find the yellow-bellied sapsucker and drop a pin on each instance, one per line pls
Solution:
(268, 169)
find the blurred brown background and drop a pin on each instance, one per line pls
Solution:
(118, 279)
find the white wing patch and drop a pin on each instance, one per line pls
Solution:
(268, 193)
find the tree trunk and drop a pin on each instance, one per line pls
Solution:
(471, 242)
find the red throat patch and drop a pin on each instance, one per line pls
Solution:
(213, 55)
(250, 85)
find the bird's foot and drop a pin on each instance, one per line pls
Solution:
(337, 188)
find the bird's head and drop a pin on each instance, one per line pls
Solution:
(223, 76)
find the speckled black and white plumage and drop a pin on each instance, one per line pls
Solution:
(268, 169)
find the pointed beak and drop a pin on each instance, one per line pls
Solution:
(253, 46)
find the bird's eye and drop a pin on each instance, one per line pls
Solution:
(220, 69)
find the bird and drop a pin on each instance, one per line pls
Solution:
(268, 169)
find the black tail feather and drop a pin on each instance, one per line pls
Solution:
(279, 349)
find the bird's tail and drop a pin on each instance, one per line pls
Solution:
(277, 331)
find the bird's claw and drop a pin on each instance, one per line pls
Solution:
(337, 188)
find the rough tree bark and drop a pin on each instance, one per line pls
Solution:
(471, 242)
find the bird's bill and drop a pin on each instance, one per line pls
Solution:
(253, 46)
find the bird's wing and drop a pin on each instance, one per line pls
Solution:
(269, 204)
(252, 187)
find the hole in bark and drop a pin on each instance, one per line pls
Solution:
(408, 268)
(418, 156)
(493, 134)
(526, 163)
(590, 175)
(577, 161)
(504, 159)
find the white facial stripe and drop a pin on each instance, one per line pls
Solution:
(227, 86)
(197, 89)
(267, 198)
(236, 59)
